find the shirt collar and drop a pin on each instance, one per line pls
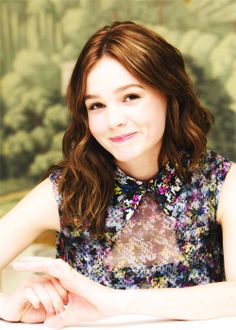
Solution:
(165, 186)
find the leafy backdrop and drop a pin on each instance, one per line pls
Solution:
(38, 37)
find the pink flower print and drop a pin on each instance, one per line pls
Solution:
(163, 190)
(135, 199)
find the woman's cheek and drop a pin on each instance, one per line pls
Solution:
(97, 127)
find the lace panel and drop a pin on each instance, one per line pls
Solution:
(147, 239)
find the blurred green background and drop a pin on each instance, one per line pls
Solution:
(41, 38)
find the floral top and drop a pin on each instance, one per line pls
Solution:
(161, 233)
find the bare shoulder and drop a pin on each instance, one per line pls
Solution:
(34, 214)
(37, 210)
(227, 213)
(227, 205)
(40, 205)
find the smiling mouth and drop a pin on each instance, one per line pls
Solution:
(123, 137)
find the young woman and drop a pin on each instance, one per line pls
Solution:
(138, 202)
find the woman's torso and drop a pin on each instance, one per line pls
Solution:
(159, 233)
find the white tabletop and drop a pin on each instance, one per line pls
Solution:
(139, 322)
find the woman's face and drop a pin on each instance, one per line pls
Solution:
(125, 116)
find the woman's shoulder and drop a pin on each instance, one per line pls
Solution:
(55, 177)
(215, 165)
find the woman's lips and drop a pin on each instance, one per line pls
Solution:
(123, 137)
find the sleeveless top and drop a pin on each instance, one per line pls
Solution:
(161, 233)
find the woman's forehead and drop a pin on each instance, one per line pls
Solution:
(110, 74)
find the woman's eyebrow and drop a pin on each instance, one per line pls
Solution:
(117, 90)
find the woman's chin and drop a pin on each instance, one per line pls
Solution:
(125, 159)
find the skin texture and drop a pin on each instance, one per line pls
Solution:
(125, 105)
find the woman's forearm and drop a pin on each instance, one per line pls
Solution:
(192, 303)
(2, 297)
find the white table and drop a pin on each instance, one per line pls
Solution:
(133, 322)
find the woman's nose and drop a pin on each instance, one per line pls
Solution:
(115, 117)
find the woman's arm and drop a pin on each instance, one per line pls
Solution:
(89, 301)
(95, 301)
(227, 218)
(1, 304)
(34, 214)
(193, 303)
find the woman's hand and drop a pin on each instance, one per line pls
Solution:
(87, 300)
(35, 301)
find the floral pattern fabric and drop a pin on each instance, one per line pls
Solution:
(161, 233)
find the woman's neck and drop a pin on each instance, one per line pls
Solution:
(141, 171)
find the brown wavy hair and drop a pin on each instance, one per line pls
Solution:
(87, 180)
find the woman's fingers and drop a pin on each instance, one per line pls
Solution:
(61, 291)
(44, 297)
(45, 279)
(54, 267)
(32, 297)
(57, 268)
(55, 298)
(46, 291)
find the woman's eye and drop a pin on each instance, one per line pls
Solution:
(131, 97)
(95, 106)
